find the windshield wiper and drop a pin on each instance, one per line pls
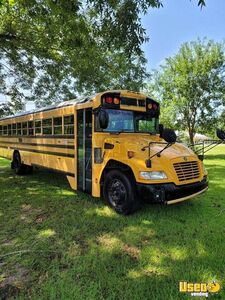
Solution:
(148, 161)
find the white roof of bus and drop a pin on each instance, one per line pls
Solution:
(50, 107)
(62, 104)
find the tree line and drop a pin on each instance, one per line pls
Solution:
(191, 88)
(53, 50)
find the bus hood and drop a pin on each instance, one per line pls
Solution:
(129, 150)
(128, 142)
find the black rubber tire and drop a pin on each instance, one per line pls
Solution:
(20, 169)
(119, 192)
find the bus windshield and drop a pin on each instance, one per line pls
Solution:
(131, 121)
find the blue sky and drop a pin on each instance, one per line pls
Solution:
(179, 21)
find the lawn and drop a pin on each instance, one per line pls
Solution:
(57, 244)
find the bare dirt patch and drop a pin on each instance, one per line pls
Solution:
(12, 282)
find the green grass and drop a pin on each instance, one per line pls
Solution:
(57, 244)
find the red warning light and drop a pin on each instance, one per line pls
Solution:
(109, 100)
(154, 106)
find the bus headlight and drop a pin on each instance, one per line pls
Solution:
(154, 175)
(204, 170)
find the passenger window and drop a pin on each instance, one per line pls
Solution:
(38, 127)
(47, 126)
(24, 127)
(30, 128)
(5, 130)
(9, 129)
(13, 129)
(69, 125)
(57, 125)
(19, 129)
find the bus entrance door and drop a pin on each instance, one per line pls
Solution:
(84, 151)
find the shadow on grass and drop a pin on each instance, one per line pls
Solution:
(80, 249)
(212, 157)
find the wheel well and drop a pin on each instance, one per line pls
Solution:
(114, 164)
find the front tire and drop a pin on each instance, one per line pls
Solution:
(119, 192)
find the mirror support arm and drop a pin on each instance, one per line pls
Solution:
(148, 161)
(158, 153)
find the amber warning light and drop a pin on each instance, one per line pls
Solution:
(152, 106)
(112, 100)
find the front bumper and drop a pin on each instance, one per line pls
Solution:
(170, 193)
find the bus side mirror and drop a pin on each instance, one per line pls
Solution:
(103, 119)
(220, 134)
(161, 128)
(169, 135)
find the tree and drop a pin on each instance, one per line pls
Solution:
(221, 120)
(56, 49)
(12, 106)
(4, 110)
(191, 86)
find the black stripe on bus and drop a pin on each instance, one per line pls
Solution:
(39, 136)
(54, 170)
(40, 151)
(41, 145)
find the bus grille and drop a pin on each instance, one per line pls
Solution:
(187, 170)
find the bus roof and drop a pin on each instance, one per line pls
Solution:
(49, 107)
(66, 103)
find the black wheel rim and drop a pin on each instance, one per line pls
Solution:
(117, 193)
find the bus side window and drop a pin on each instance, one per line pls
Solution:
(5, 130)
(13, 129)
(30, 128)
(69, 124)
(47, 126)
(19, 129)
(37, 127)
(9, 129)
(57, 123)
(24, 127)
(0, 130)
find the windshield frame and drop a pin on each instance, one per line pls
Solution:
(156, 123)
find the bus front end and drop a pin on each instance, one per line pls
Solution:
(178, 175)
(135, 161)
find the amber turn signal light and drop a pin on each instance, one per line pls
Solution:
(116, 101)
(130, 154)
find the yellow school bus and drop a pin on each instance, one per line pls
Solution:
(110, 145)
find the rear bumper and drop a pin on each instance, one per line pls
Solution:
(170, 193)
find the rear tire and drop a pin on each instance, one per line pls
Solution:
(119, 192)
(20, 169)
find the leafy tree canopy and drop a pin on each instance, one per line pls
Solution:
(191, 86)
(53, 49)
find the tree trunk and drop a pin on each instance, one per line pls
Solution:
(191, 135)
